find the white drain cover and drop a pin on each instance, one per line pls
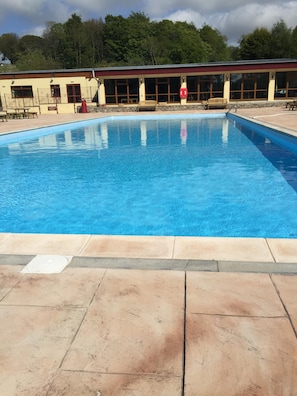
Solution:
(43, 264)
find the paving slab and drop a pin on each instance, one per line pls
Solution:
(239, 339)
(286, 286)
(232, 294)
(32, 244)
(283, 250)
(34, 341)
(135, 325)
(9, 278)
(74, 287)
(233, 355)
(223, 249)
(93, 384)
(129, 246)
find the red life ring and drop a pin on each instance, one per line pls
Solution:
(183, 93)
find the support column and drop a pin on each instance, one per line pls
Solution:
(141, 90)
(226, 89)
(271, 86)
(101, 93)
(183, 84)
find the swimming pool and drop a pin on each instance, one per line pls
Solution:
(158, 175)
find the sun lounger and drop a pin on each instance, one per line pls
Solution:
(147, 105)
(12, 113)
(22, 112)
(292, 105)
(3, 116)
(31, 112)
(216, 103)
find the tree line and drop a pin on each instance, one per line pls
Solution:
(137, 41)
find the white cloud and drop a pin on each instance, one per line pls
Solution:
(187, 15)
(245, 19)
(157, 7)
(241, 20)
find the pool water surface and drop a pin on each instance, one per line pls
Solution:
(154, 175)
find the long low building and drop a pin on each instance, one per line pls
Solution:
(111, 88)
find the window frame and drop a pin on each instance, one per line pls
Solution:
(21, 91)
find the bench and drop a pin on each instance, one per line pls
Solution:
(216, 103)
(147, 105)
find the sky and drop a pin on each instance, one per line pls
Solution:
(233, 18)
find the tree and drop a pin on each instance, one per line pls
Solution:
(9, 46)
(294, 42)
(55, 43)
(94, 36)
(135, 40)
(256, 45)
(76, 41)
(161, 43)
(217, 43)
(34, 60)
(138, 39)
(281, 41)
(191, 47)
(29, 43)
(115, 40)
(234, 52)
(67, 43)
(178, 42)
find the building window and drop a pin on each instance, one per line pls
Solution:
(22, 91)
(55, 91)
(73, 93)
(163, 89)
(286, 85)
(249, 86)
(122, 91)
(204, 87)
(110, 91)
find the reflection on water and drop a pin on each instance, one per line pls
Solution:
(143, 133)
(183, 132)
(225, 132)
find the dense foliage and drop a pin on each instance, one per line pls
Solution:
(280, 42)
(136, 40)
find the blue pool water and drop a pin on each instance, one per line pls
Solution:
(176, 175)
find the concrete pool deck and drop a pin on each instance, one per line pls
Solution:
(149, 316)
